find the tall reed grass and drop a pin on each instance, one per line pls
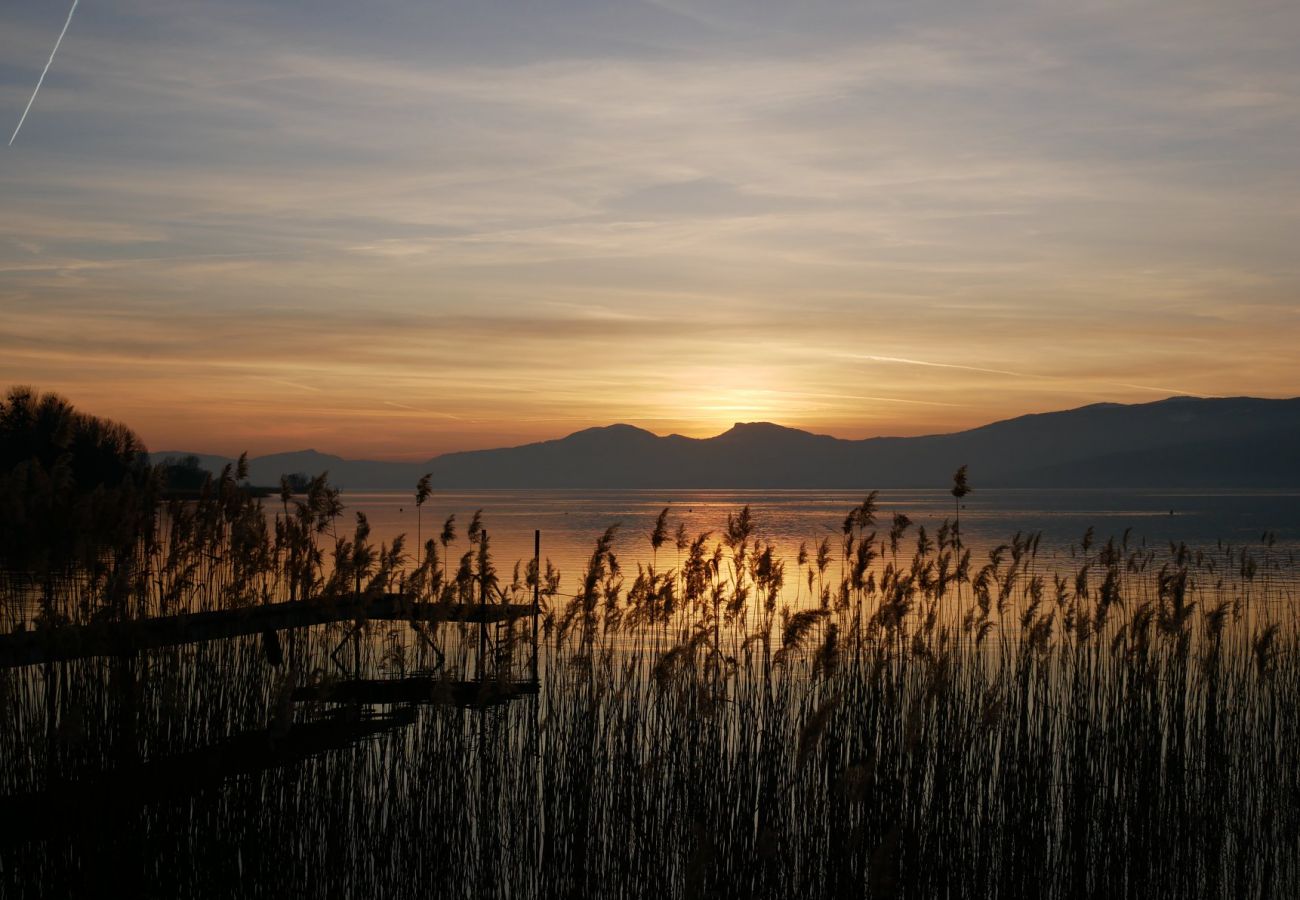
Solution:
(919, 720)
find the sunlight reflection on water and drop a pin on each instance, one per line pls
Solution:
(571, 520)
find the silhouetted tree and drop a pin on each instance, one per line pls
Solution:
(183, 475)
(74, 489)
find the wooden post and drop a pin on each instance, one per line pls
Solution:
(539, 822)
(537, 591)
(482, 605)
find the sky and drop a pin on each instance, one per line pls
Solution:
(393, 229)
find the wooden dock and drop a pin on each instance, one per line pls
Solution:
(63, 805)
(42, 645)
(55, 809)
(418, 689)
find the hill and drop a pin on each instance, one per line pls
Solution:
(1181, 442)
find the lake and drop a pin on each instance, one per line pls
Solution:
(571, 520)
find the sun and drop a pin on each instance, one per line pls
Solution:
(715, 409)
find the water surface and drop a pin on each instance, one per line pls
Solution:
(571, 520)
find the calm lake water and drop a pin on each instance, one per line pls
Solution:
(571, 520)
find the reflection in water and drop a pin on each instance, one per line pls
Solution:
(570, 519)
(205, 769)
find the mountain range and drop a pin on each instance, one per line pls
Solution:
(1181, 442)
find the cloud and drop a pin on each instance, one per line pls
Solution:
(580, 214)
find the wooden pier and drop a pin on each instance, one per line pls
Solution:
(57, 808)
(417, 689)
(67, 642)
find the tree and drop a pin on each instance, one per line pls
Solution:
(184, 475)
(74, 489)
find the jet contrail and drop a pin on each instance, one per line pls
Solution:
(936, 365)
(41, 80)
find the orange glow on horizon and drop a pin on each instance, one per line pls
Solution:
(811, 220)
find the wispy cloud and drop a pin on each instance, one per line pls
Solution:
(857, 218)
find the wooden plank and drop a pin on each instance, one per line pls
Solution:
(423, 689)
(24, 648)
(63, 806)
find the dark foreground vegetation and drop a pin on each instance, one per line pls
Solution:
(886, 714)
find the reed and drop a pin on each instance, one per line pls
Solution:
(1111, 720)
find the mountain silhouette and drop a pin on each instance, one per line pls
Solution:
(1181, 442)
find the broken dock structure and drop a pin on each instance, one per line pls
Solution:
(126, 638)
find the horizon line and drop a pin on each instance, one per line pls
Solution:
(173, 453)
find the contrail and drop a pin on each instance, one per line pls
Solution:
(936, 365)
(41, 80)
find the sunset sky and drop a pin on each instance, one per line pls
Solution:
(391, 229)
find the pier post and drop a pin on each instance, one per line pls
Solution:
(539, 823)
(482, 603)
(537, 591)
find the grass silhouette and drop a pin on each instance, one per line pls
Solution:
(1116, 721)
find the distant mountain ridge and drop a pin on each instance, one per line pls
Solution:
(1181, 442)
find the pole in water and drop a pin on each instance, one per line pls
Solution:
(537, 589)
(482, 605)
